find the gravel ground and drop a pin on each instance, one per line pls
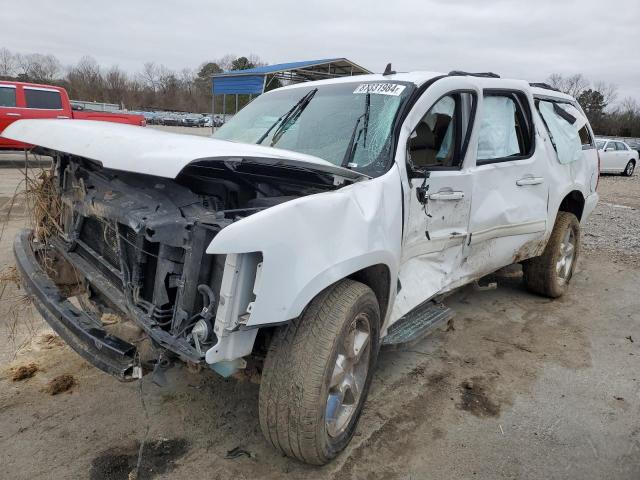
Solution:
(614, 227)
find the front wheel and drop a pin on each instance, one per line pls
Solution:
(550, 273)
(628, 170)
(317, 373)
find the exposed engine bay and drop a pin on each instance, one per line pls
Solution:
(136, 243)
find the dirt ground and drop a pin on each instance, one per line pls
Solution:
(521, 388)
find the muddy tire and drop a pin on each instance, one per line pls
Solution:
(317, 373)
(628, 170)
(550, 273)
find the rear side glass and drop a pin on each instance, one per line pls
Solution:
(7, 96)
(44, 99)
(620, 146)
(564, 134)
(585, 137)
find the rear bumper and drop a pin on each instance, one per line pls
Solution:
(82, 332)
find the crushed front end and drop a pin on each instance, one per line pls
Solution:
(135, 245)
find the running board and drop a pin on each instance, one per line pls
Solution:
(417, 324)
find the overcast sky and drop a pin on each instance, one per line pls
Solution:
(515, 38)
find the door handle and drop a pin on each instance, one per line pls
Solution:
(447, 195)
(13, 114)
(529, 181)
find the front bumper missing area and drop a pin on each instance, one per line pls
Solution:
(82, 332)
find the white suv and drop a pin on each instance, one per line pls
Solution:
(326, 220)
(616, 157)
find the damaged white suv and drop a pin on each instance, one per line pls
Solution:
(324, 221)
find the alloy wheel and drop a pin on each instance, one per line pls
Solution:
(349, 376)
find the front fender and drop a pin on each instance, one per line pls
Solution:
(311, 242)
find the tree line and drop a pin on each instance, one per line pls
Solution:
(156, 87)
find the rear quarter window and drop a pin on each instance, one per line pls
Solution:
(44, 99)
(7, 96)
(585, 137)
(566, 127)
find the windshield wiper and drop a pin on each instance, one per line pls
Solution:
(353, 142)
(287, 119)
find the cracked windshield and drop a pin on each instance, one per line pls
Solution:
(349, 125)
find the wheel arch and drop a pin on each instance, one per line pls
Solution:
(377, 278)
(573, 202)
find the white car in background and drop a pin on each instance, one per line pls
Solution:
(616, 157)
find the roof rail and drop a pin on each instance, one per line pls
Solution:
(546, 86)
(459, 73)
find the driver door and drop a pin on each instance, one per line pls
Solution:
(438, 199)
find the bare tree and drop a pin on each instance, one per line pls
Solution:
(85, 80)
(556, 81)
(256, 60)
(630, 105)
(150, 75)
(8, 63)
(225, 62)
(38, 68)
(116, 85)
(572, 85)
(608, 90)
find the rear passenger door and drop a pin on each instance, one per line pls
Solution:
(609, 158)
(510, 186)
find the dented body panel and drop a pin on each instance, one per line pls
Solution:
(314, 241)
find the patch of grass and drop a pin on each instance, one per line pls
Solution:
(24, 371)
(60, 384)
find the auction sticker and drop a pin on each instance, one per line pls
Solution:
(380, 88)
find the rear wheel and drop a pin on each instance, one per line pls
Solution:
(628, 170)
(550, 273)
(317, 373)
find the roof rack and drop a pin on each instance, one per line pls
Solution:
(460, 73)
(546, 86)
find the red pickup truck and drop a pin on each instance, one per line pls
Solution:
(20, 100)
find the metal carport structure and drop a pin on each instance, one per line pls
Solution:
(254, 81)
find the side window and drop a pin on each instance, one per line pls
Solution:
(505, 131)
(585, 137)
(621, 146)
(439, 139)
(611, 146)
(43, 98)
(7, 96)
